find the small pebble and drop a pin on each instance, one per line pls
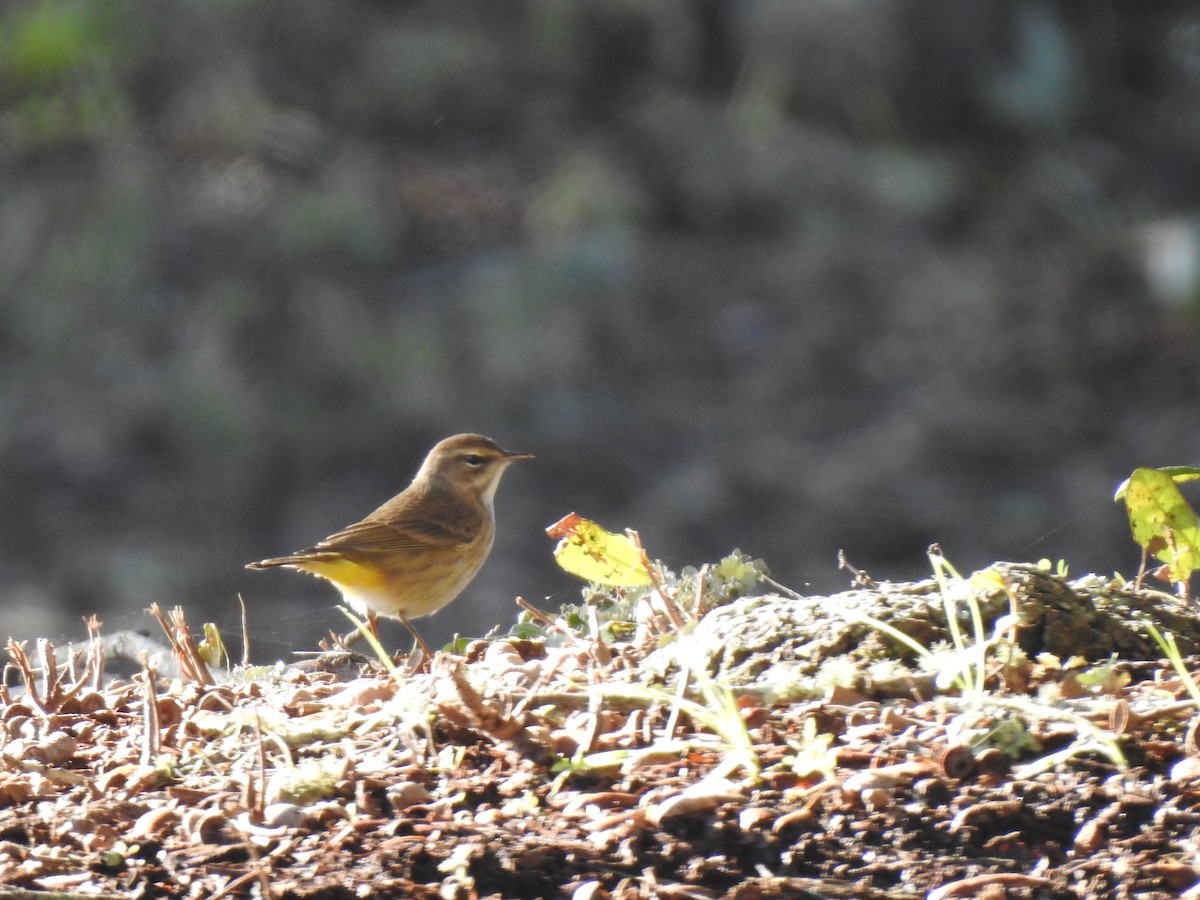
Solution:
(404, 794)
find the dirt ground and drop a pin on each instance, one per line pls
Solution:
(581, 764)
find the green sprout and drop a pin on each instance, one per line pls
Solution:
(966, 667)
(1170, 649)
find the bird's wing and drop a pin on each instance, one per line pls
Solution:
(400, 535)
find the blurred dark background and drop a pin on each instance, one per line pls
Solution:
(784, 276)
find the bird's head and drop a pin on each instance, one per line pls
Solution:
(468, 464)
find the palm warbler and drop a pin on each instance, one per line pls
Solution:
(417, 552)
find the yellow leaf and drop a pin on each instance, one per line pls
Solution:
(588, 551)
(987, 580)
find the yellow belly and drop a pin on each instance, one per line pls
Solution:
(399, 586)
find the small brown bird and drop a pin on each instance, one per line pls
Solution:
(417, 552)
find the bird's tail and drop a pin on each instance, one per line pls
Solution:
(296, 559)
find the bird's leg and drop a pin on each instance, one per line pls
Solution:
(417, 636)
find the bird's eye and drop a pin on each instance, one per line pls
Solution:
(473, 459)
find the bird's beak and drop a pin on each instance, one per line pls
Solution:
(510, 457)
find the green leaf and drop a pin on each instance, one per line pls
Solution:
(212, 648)
(1162, 522)
(1179, 474)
